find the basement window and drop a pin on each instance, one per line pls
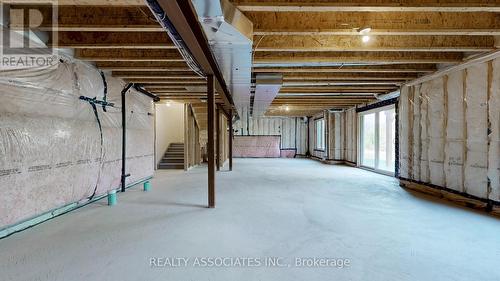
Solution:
(319, 126)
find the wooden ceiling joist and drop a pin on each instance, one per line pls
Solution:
(298, 112)
(110, 40)
(177, 81)
(349, 76)
(369, 5)
(104, 18)
(170, 87)
(356, 57)
(338, 92)
(286, 77)
(315, 83)
(338, 89)
(282, 43)
(128, 55)
(315, 44)
(322, 43)
(308, 100)
(144, 66)
(194, 94)
(157, 74)
(393, 23)
(392, 68)
(311, 96)
(84, 2)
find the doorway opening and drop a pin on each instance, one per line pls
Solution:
(378, 139)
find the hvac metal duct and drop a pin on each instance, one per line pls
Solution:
(230, 36)
(267, 87)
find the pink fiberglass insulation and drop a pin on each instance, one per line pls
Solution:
(256, 146)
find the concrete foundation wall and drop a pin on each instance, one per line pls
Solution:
(449, 131)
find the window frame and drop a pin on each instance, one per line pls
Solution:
(361, 115)
(319, 146)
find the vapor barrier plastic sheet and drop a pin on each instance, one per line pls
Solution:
(494, 134)
(455, 144)
(436, 131)
(51, 150)
(350, 140)
(337, 135)
(476, 116)
(404, 160)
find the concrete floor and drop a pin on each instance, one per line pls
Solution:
(283, 208)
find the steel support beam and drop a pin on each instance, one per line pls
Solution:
(230, 125)
(217, 139)
(211, 138)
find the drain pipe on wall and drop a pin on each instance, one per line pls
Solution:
(124, 126)
(141, 90)
(124, 135)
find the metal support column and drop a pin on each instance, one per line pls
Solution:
(230, 125)
(211, 138)
(217, 139)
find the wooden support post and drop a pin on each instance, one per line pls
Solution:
(217, 140)
(211, 137)
(230, 125)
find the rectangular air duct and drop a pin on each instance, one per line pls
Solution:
(230, 36)
(267, 88)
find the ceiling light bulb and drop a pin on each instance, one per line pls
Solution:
(287, 108)
(168, 103)
(365, 38)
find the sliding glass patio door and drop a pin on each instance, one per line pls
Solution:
(368, 140)
(378, 138)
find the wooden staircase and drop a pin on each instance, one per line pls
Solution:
(173, 158)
